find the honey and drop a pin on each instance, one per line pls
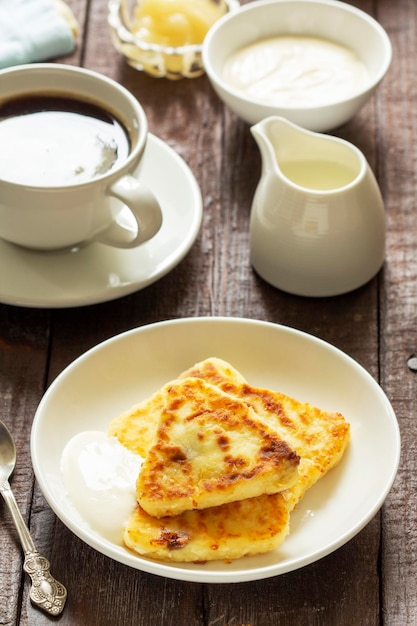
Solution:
(176, 22)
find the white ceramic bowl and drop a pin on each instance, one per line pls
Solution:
(327, 19)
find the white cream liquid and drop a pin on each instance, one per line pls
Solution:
(295, 70)
(99, 476)
(318, 175)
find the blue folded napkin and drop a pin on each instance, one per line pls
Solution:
(35, 30)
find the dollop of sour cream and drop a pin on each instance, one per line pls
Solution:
(295, 70)
(99, 476)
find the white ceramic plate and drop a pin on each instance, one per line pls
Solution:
(120, 372)
(97, 273)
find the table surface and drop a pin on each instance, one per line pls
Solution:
(372, 579)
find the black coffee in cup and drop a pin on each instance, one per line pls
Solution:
(55, 140)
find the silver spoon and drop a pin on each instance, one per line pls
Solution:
(45, 592)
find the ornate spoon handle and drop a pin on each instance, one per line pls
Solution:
(46, 592)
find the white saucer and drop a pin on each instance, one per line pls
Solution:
(97, 273)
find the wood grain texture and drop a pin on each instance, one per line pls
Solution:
(370, 581)
(398, 171)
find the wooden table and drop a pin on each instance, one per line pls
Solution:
(372, 580)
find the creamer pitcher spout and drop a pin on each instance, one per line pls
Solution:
(260, 133)
(273, 136)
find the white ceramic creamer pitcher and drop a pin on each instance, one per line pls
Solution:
(317, 222)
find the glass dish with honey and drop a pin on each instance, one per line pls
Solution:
(164, 37)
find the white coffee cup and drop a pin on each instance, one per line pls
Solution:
(114, 207)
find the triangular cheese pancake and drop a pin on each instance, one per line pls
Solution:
(226, 532)
(319, 437)
(210, 449)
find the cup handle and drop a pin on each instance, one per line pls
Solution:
(143, 206)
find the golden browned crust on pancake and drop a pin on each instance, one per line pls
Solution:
(227, 532)
(214, 371)
(319, 437)
(136, 427)
(210, 449)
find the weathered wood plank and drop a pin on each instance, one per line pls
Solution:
(24, 340)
